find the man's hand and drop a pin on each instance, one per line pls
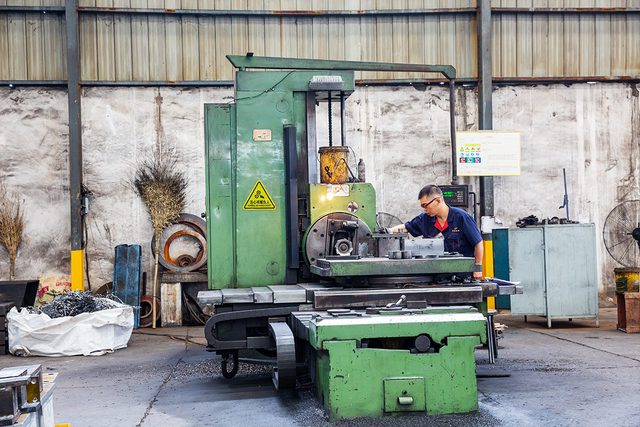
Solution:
(398, 229)
(477, 275)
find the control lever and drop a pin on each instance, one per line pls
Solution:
(402, 299)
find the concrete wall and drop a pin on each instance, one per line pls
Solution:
(401, 132)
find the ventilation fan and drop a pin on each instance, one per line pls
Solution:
(622, 233)
(386, 220)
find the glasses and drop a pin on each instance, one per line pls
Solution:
(424, 205)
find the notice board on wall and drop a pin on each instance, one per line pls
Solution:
(488, 153)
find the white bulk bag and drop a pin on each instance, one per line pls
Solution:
(87, 334)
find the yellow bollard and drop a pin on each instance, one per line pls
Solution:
(77, 270)
(487, 268)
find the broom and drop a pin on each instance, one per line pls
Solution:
(163, 189)
(11, 224)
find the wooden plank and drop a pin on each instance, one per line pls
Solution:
(122, 43)
(352, 39)
(239, 37)
(524, 32)
(140, 43)
(618, 40)
(224, 69)
(571, 41)
(4, 46)
(88, 46)
(431, 37)
(171, 304)
(539, 40)
(587, 40)
(416, 37)
(603, 41)
(368, 37)
(496, 41)
(384, 42)
(157, 43)
(35, 47)
(52, 41)
(255, 29)
(173, 43)
(305, 31)
(17, 42)
(272, 30)
(633, 40)
(190, 50)
(509, 41)
(105, 43)
(289, 30)
(207, 42)
(399, 37)
(447, 36)
(336, 32)
(555, 57)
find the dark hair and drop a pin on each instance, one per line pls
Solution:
(429, 190)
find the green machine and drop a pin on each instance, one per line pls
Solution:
(301, 271)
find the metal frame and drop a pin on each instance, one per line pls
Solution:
(296, 13)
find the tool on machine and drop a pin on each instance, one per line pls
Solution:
(314, 281)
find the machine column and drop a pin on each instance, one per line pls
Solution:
(75, 144)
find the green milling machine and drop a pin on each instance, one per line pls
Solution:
(300, 270)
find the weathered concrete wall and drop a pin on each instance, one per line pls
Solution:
(401, 132)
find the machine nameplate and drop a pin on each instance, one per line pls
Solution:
(262, 134)
(259, 199)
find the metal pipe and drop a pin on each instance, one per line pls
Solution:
(307, 13)
(452, 122)
(75, 143)
(330, 123)
(343, 129)
(485, 88)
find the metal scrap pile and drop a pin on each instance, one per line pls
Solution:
(76, 302)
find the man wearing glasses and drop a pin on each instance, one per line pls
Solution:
(460, 231)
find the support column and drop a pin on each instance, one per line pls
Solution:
(75, 144)
(485, 86)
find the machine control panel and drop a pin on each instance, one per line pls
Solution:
(455, 195)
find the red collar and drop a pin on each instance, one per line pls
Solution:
(437, 225)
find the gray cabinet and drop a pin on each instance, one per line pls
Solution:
(557, 267)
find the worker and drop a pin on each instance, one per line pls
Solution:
(460, 231)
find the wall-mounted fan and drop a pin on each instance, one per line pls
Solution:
(622, 233)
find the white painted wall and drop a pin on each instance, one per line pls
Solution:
(401, 132)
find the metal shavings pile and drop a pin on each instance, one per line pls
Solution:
(76, 302)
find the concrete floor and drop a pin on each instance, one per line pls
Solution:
(572, 375)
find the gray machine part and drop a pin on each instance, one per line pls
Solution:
(421, 248)
(338, 235)
(284, 372)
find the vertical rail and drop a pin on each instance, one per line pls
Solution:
(452, 122)
(291, 180)
(343, 129)
(75, 144)
(485, 86)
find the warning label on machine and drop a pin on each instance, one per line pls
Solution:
(259, 199)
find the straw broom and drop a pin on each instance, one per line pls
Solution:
(163, 189)
(11, 224)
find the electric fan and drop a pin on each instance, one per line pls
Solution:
(622, 233)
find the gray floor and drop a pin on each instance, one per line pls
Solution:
(572, 375)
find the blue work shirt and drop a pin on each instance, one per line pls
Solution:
(460, 233)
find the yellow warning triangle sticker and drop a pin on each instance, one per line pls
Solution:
(259, 199)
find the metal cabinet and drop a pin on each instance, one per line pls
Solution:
(557, 267)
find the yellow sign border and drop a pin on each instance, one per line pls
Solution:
(272, 207)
